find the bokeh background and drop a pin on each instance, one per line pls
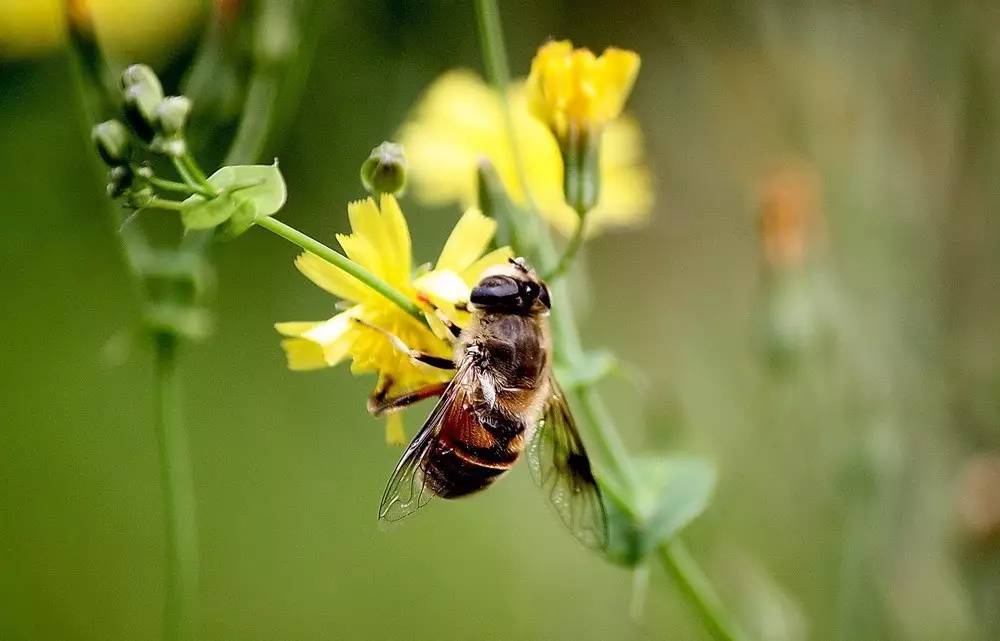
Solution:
(848, 387)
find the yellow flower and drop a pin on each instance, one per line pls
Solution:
(139, 29)
(574, 91)
(459, 121)
(380, 243)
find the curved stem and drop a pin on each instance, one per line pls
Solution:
(178, 497)
(569, 253)
(674, 556)
(344, 263)
(696, 586)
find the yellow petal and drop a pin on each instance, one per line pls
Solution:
(397, 233)
(322, 344)
(498, 256)
(303, 354)
(442, 287)
(394, 432)
(467, 242)
(332, 279)
(360, 249)
(368, 232)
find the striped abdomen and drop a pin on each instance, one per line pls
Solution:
(476, 446)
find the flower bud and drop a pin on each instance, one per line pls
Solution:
(142, 94)
(384, 172)
(581, 154)
(144, 171)
(140, 197)
(112, 141)
(173, 113)
(171, 146)
(120, 178)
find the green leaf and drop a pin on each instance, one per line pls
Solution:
(242, 219)
(262, 185)
(588, 370)
(199, 213)
(672, 491)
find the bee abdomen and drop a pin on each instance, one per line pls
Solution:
(450, 475)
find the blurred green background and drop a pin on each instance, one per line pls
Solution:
(851, 400)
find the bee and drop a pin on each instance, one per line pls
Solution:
(502, 403)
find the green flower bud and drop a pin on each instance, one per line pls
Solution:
(140, 197)
(142, 94)
(384, 172)
(173, 113)
(144, 171)
(171, 146)
(112, 141)
(581, 170)
(120, 178)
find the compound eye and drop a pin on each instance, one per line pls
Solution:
(495, 291)
(530, 291)
(543, 297)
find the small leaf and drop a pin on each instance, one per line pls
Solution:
(588, 370)
(672, 492)
(242, 219)
(199, 213)
(262, 185)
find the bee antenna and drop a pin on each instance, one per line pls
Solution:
(519, 262)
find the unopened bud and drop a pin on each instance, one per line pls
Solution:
(171, 146)
(112, 140)
(581, 170)
(144, 171)
(173, 113)
(140, 197)
(142, 94)
(384, 172)
(119, 180)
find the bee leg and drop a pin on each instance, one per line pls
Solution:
(421, 357)
(453, 329)
(380, 403)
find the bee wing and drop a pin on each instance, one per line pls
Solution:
(407, 491)
(560, 466)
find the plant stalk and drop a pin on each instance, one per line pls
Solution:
(181, 537)
(344, 263)
(675, 558)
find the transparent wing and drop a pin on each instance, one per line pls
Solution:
(407, 491)
(560, 466)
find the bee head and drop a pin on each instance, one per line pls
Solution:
(512, 288)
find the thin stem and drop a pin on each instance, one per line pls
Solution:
(344, 263)
(258, 113)
(696, 586)
(178, 497)
(182, 170)
(180, 188)
(192, 167)
(163, 203)
(570, 251)
(495, 54)
(675, 557)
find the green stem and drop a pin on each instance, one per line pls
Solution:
(571, 250)
(188, 161)
(182, 170)
(178, 497)
(682, 567)
(344, 263)
(163, 203)
(698, 589)
(180, 188)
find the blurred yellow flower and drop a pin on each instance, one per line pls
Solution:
(380, 242)
(459, 120)
(139, 29)
(574, 91)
